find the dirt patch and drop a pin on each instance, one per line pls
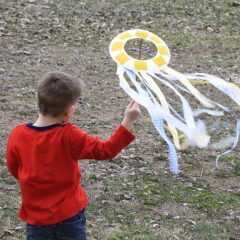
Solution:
(133, 196)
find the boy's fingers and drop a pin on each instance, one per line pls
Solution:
(136, 105)
(131, 103)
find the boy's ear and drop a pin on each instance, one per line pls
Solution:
(73, 107)
(69, 111)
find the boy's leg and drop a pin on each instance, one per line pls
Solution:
(72, 228)
(40, 232)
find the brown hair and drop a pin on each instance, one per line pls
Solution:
(57, 91)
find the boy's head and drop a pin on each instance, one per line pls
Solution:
(56, 92)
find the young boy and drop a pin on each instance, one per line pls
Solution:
(43, 157)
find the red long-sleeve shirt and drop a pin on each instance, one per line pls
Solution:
(44, 160)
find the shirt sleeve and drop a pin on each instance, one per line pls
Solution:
(85, 146)
(12, 162)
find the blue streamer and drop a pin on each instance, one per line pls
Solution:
(172, 154)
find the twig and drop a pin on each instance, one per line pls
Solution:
(140, 49)
(202, 169)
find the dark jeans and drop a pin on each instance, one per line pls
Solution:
(69, 229)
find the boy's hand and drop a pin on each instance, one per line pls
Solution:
(132, 112)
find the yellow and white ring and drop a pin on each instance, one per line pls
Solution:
(119, 55)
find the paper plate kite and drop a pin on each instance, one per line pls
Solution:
(141, 80)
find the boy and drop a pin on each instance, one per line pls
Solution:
(43, 157)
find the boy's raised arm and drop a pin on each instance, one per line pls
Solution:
(85, 146)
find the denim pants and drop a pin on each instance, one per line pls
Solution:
(69, 229)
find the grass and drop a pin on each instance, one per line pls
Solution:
(154, 191)
(232, 161)
(148, 193)
(132, 197)
(209, 231)
(96, 21)
(2, 159)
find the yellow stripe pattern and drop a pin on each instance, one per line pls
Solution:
(120, 56)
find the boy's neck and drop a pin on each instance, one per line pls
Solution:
(47, 120)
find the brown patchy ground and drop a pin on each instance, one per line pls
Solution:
(133, 196)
